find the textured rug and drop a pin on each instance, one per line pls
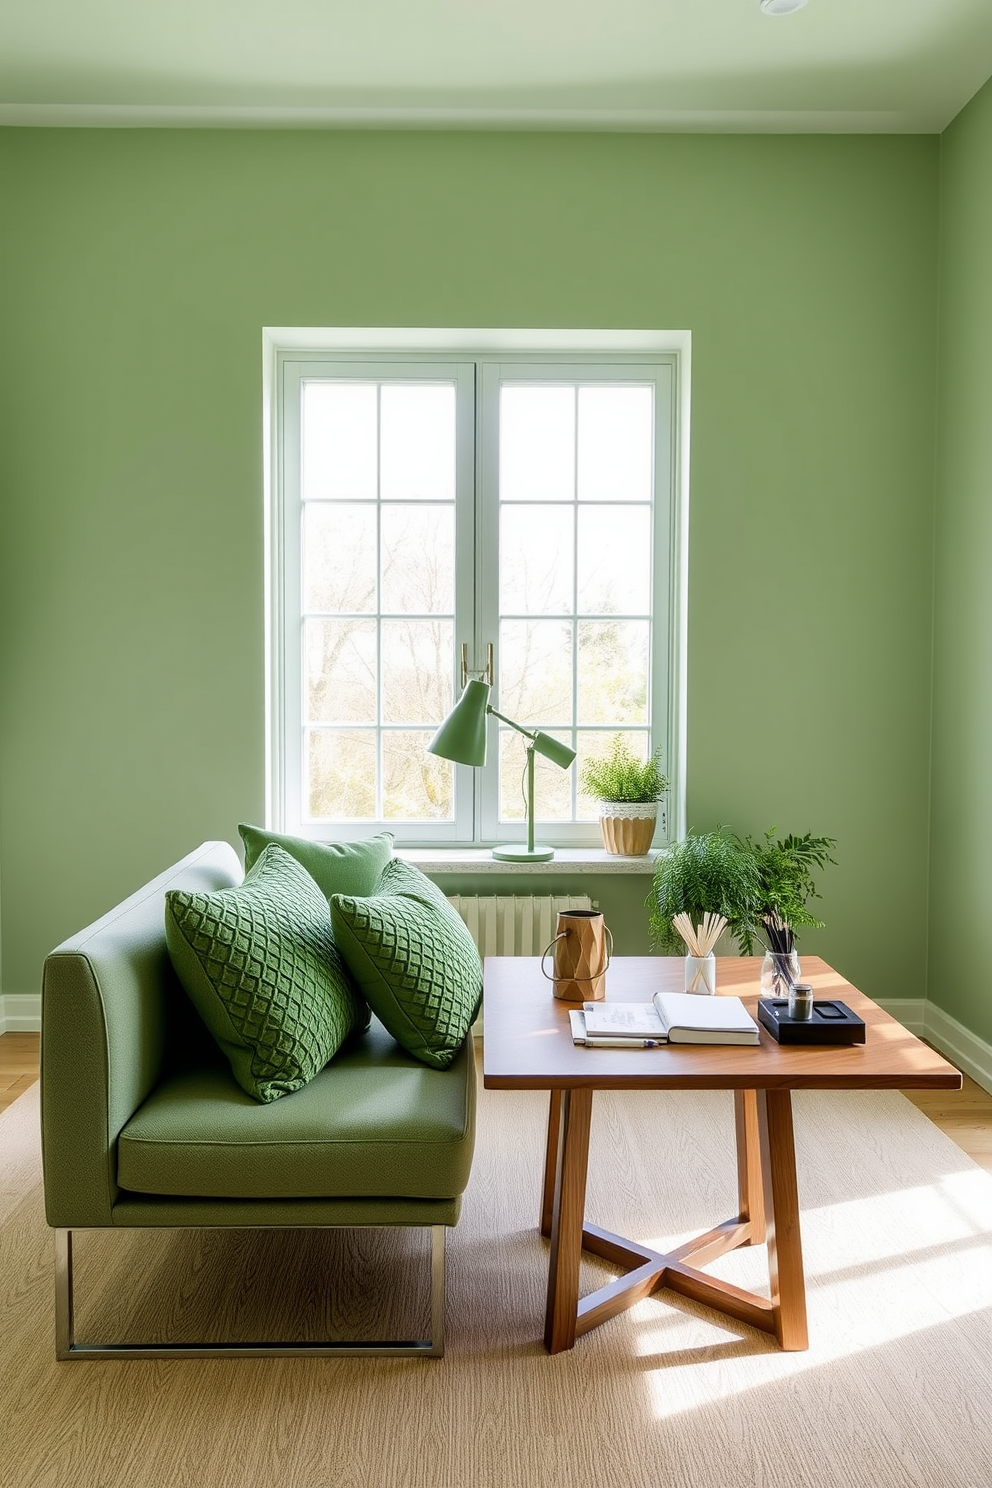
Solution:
(894, 1391)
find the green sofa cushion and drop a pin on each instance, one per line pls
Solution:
(414, 961)
(260, 964)
(375, 1123)
(336, 867)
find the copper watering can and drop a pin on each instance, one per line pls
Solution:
(582, 949)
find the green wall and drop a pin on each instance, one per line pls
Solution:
(136, 272)
(961, 867)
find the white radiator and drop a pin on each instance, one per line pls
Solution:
(514, 924)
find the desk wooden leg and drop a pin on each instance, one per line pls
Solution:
(781, 1196)
(749, 1186)
(550, 1163)
(567, 1219)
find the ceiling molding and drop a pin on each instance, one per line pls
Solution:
(622, 121)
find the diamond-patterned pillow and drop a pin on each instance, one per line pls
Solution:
(413, 960)
(260, 964)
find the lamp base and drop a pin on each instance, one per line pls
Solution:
(518, 853)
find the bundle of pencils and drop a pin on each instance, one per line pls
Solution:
(700, 939)
(781, 945)
(779, 934)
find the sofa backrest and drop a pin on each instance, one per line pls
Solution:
(112, 1008)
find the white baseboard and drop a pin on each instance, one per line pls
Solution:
(911, 1012)
(971, 1054)
(963, 1048)
(20, 1012)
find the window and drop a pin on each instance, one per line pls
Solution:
(430, 509)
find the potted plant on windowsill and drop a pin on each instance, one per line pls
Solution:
(703, 885)
(628, 790)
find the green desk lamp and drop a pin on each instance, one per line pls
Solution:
(462, 738)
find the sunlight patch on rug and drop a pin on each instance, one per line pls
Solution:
(878, 1270)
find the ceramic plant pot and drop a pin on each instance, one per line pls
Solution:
(627, 826)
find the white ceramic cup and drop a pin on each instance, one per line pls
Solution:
(700, 974)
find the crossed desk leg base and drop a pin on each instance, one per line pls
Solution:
(769, 1212)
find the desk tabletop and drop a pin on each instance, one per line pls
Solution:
(528, 1042)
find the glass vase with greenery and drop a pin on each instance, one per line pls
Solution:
(785, 868)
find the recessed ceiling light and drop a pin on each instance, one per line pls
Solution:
(781, 7)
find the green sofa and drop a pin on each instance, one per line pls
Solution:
(143, 1125)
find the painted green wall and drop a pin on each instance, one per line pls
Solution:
(961, 865)
(136, 272)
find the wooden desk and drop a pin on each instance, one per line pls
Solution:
(528, 1046)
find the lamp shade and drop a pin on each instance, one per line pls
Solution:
(554, 750)
(462, 735)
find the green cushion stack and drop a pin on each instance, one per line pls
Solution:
(260, 964)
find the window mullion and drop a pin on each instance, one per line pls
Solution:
(487, 568)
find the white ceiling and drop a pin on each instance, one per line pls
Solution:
(837, 65)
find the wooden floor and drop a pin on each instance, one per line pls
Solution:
(18, 1065)
(965, 1115)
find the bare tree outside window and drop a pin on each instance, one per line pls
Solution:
(470, 507)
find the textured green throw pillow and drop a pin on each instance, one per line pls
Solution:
(338, 867)
(261, 966)
(414, 961)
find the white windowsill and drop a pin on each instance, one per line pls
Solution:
(565, 860)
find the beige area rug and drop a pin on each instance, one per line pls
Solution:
(894, 1391)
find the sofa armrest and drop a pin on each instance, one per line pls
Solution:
(108, 996)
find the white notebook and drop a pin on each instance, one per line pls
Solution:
(677, 1017)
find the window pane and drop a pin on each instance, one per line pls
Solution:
(416, 786)
(595, 746)
(614, 564)
(435, 498)
(552, 785)
(616, 442)
(536, 560)
(613, 671)
(339, 441)
(418, 442)
(339, 558)
(417, 662)
(418, 559)
(535, 671)
(340, 775)
(340, 658)
(536, 443)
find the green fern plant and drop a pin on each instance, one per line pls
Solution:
(620, 776)
(705, 873)
(785, 866)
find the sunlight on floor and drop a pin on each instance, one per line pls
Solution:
(878, 1269)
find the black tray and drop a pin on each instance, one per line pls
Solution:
(831, 1023)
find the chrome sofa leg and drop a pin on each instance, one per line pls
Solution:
(63, 1294)
(437, 1290)
(66, 1346)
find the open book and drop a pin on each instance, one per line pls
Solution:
(673, 1017)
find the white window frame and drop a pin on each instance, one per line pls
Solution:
(289, 356)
